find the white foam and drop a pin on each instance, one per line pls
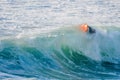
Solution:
(5, 76)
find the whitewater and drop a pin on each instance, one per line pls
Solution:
(41, 40)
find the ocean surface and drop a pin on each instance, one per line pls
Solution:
(41, 40)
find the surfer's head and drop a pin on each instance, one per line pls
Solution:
(84, 27)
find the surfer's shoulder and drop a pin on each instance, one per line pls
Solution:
(91, 30)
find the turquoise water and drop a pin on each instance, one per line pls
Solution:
(40, 40)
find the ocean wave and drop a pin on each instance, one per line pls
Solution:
(64, 53)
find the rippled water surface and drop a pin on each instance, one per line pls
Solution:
(40, 40)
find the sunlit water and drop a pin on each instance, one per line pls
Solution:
(40, 40)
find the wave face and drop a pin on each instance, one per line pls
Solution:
(65, 53)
